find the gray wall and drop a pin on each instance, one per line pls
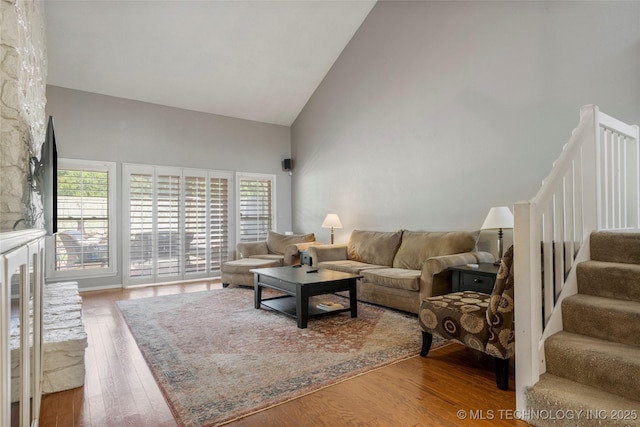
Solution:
(436, 111)
(97, 127)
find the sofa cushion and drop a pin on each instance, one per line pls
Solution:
(373, 247)
(399, 278)
(249, 249)
(244, 265)
(277, 242)
(418, 246)
(347, 266)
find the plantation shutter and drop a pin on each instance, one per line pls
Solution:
(219, 221)
(83, 242)
(195, 223)
(168, 215)
(177, 223)
(256, 211)
(141, 235)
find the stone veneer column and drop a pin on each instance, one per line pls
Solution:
(23, 73)
(64, 341)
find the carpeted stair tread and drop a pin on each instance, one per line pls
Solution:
(561, 396)
(594, 363)
(609, 279)
(615, 246)
(605, 318)
(607, 366)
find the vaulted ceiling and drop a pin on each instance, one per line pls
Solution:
(254, 60)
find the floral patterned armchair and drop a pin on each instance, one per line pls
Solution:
(480, 321)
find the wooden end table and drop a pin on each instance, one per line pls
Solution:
(479, 279)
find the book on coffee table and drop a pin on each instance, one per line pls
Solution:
(329, 306)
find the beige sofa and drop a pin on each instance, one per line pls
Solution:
(400, 268)
(281, 247)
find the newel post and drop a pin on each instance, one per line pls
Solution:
(528, 297)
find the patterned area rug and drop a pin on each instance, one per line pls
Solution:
(216, 358)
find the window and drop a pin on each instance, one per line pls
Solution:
(206, 222)
(176, 223)
(256, 209)
(195, 222)
(84, 244)
(219, 221)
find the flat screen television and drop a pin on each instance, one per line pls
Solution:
(49, 190)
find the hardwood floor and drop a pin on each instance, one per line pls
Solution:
(451, 387)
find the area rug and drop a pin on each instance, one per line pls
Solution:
(216, 358)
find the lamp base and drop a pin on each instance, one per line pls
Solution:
(499, 259)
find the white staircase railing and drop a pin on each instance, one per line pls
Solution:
(593, 185)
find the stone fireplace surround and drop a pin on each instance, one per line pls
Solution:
(23, 73)
(23, 122)
(64, 341)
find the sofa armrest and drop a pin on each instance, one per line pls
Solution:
(246, 250)
(307, 245)
(436, 277)
(321, 253)
(292, 252)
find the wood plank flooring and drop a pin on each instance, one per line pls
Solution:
(453, 386)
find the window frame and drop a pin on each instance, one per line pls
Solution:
(112, 268)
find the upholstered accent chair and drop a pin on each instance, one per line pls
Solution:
(480, 321)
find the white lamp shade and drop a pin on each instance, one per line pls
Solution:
(331, 220)
(499, 217)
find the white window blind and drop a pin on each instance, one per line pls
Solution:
(140, 233)
(177, 223)
(195, 223)
(84, 241)
(169, 254)
(255, 206)
(219, 221)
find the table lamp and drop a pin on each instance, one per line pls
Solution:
(331, 221)
(497, 219)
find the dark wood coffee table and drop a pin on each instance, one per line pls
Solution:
(299, 284)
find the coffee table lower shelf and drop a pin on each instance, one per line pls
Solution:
(286, 304)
